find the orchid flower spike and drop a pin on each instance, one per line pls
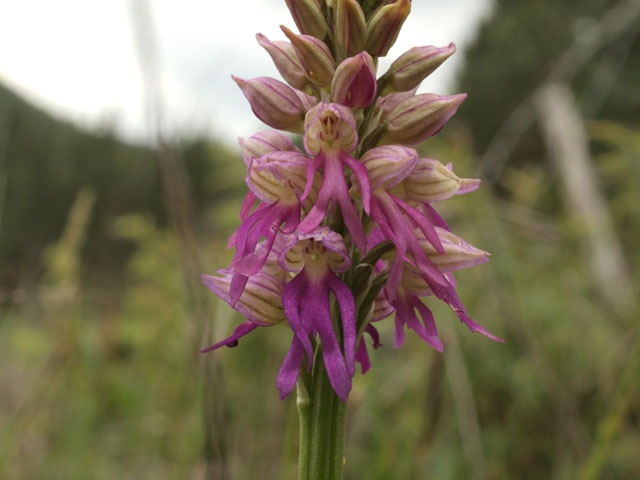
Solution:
(330, 135)
(342, 232)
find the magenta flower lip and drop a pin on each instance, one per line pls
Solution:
(306, 303)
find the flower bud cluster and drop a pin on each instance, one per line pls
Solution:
(348, 225)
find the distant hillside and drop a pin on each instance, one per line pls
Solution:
(45, 162)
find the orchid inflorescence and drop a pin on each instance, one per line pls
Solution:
(333, 273)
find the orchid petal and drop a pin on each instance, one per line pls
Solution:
(334, 361)
(422, 223)
(362, 357)
(375, 336)
(240, 331)
(290, 369)
(247, 204)
(363, 179)
(348, 315)
(291, 304)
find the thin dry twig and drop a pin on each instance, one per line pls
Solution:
(179, 204)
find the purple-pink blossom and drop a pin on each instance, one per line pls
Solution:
(340, 235)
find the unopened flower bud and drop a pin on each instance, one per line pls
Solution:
(285, 59)
(389, 165)
(457, 254)
(384, 106)
(387, 103)
(273, 102)
(354, 83)
(383, 27)
(350, 28)
(330, 126)
(419, 117)
(412, 67)
(308, 17)
(431, 181)
(315, 57)
(261, 301)
(265, 142)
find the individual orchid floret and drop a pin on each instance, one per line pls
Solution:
(420, 117)
(273, 102)
(412, 67)
(315, 57)
(415, 283)
(330, 135)
(350, 28)
(431, 181)
(354, 83)
(279, 177)
(316, 257)
(285, 59)
(308, 17)
(260, 303)
(397, 221)
(255, 147)
(280, 210)
(406, 305)
(387, 167)
(384, 26)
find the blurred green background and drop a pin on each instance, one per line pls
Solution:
(102, 312)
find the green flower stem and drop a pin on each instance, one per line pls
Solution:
(322, 418)
(303, 403)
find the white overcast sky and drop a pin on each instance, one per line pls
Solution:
(77, 58)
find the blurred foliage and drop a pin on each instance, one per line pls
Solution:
(513, 52)
(39, 180)
(618, 167)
